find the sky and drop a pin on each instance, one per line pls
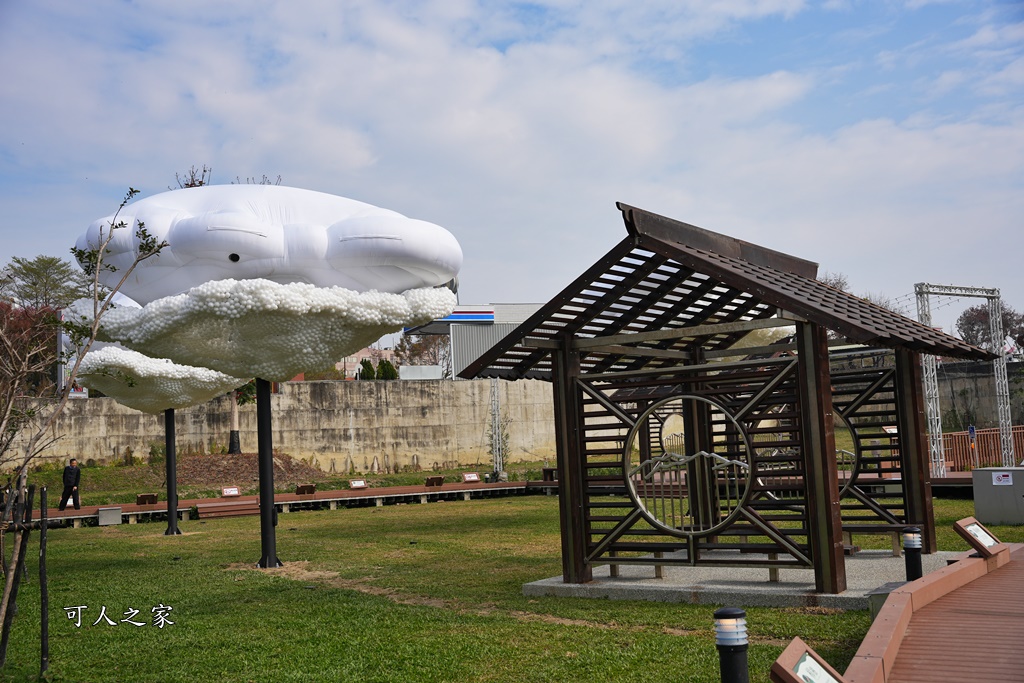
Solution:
(882, 139)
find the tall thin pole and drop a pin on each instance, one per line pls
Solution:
(264, 436)
(172, 474)
(44, 591)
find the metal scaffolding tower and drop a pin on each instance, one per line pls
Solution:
(931, 381)
(497, 440)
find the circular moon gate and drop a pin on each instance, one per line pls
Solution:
(689, 494)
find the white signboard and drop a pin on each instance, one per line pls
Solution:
(979, 533)
(811, 672)
(1002, 478)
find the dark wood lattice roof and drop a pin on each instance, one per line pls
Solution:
(666, 275)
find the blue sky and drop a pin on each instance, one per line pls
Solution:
(881, 138)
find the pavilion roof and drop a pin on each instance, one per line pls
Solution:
(629, 310)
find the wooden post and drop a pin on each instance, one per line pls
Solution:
(571, 484)
(913, 445)
(825, 532)
(23, 517)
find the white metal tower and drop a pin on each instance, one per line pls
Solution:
(497, 442)
(931, 380)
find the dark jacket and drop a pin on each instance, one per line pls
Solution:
(72, 475)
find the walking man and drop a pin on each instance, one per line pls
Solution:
(72, 475)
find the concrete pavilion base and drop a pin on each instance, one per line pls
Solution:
(742, 586)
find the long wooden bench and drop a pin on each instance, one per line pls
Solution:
(234, 508)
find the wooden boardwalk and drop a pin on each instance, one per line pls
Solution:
(971, 634)
(287, 502)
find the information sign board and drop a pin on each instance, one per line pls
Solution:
(798, 663)
(980, 538)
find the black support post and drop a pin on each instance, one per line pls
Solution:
(44, 591)
(171, 460)
(264, 435)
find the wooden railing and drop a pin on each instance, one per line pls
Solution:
(987, 451)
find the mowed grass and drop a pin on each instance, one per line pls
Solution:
(398, 593)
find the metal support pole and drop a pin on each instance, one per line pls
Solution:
(44, 590)
(171, 460)
(268, 516)
(732, 643)
(930, 380)
(995, 325)
(912, 553)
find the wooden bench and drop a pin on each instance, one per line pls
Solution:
(434, 481)
(238, 508)
(305, 489)
(145, 499)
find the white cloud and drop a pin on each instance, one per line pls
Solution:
(517, 127)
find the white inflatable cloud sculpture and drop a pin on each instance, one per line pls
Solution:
(269, 330)
(282, 234)
(151, 385)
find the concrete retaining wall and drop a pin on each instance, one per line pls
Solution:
(338, 426)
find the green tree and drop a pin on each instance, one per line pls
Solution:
(366, 370)
(42, 282)
(386, 370)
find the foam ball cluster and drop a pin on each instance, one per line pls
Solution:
(260, 328)
(284, 234)
(151, 385)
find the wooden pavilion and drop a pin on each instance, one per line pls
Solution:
(676, 448)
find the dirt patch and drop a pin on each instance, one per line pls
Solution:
(300, 571)
(814, 610)
(669, 631)
(561, 621)
(215, 471)
(297, 571)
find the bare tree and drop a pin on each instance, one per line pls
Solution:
(193, 177)
(23, 336)
(835, 280)
(973, 326)
(425, 349)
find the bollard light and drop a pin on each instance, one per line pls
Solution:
(912, 552)
(732, 642)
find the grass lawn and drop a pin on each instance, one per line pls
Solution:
(399, 593)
